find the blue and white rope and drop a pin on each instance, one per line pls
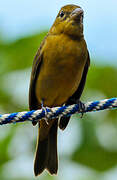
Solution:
(36, 115)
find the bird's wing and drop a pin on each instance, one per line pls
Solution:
(76, 96)
(80, 88)
(33, 103)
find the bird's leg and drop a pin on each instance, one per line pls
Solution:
(45, 110)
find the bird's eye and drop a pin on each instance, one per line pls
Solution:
(61, 14)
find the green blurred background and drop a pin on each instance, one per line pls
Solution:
(88, 147)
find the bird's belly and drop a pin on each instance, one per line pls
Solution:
(55, 87)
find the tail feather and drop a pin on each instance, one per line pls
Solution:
(41, 156)
(46, 152)
(52, 160)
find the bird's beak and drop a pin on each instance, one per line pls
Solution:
(77, 14)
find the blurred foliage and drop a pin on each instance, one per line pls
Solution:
(16, 56)
(101, 83)
(19, 54)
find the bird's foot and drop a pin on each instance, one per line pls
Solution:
(81, 107)
(46, 113)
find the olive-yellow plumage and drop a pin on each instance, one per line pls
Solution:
(58, 76)
(55, 82)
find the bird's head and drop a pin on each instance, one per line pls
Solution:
(69, 21)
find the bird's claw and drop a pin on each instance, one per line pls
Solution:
(46, 120)
(81, 108)
(46, 115)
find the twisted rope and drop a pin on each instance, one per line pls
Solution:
(55, 112)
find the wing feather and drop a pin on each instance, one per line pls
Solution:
(76, 96)
(33, 103)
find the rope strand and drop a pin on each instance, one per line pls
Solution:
(55, 112)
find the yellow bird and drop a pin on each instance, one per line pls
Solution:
(58, 77)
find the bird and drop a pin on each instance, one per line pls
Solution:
(58, 77)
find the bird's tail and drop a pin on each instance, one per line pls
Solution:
(46, 152)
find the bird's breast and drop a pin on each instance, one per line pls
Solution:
(60, 72)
